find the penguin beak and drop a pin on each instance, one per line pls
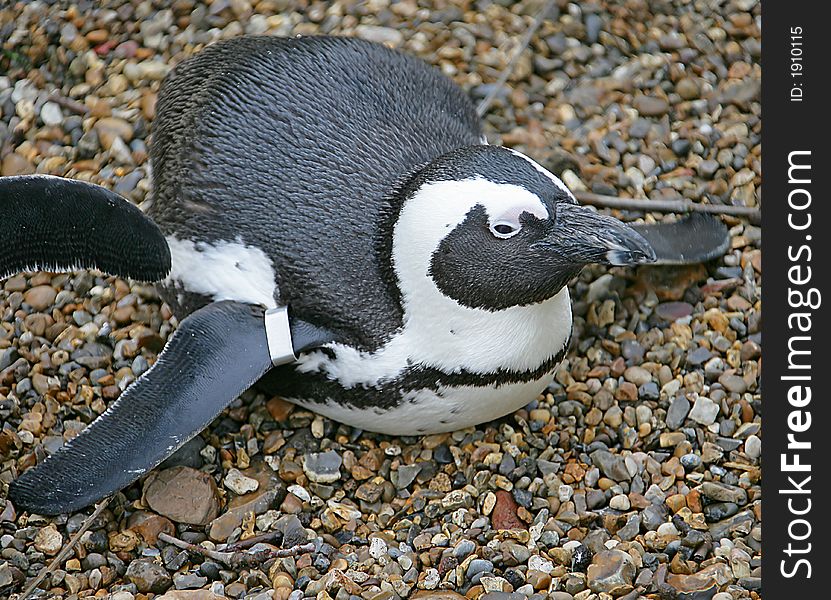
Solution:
(583, 236)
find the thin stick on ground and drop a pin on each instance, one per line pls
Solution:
(268, 537)
(485, 104)
(238, 559)
(70, 104)
(675, 205)
(61, 556)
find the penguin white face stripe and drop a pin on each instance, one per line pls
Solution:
(556, 180)
(223, 270)
(439, 332)
(436, 208)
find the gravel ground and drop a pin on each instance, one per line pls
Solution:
(636, 475)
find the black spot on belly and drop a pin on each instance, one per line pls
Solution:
(315, 387)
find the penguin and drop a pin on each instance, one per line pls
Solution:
(328, 223)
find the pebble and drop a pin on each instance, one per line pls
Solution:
(650, 106)
(40, 297)
(239, 483)
(753, 446)
(612, 465)
(620, 502)
(723, 492)
(672, 311)
(50, 114)
(183, 495)
(704, 411)
(322, 467)
(611, 572)
(188, 581)
(49, 540)
(407, 474)
(148, 576)
(504, 515)
(380, 35)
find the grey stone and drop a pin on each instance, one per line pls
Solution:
(678, 411)
(148, 576)
(292, 529)
(721, 492)
(322, 467)
(188, 581)
(612, 465)
(407, 474)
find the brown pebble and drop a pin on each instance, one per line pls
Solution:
(627, 392)
(149, 526)
(14, 164)
(97, 36)
(279, 409)
(693, 500)
(40, 297)
(183, 494)
(676, 502)
(650, 106)
(504, 515)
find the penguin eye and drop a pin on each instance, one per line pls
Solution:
(505, 229)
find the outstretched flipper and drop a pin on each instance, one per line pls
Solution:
(57, 224)
(216, 354)
(696, 238)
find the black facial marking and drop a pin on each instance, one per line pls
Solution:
(479, 270)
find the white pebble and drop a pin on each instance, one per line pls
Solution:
(300, 492)
(620, 502)
(51, 114)
(239, 483)
(377, 548)
(432, 579)
(753, 446)
(538, 563)
(704, 411)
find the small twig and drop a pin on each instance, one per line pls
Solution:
(675, 205)
(253, 541)
(56, 562)
(237, 560)
(485, 104)
(69, 104)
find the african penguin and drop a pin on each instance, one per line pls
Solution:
(327, 222)
(350, 182)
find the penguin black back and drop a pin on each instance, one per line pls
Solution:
(269, 140)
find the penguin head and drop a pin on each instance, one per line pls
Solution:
(491, 229)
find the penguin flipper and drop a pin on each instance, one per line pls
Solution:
(57, 224)
(216, 354)
(696, 238)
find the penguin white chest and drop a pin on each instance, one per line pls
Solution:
(445, 408)
(448, 368)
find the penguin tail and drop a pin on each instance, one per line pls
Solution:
(696, 238)
(50, 223)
